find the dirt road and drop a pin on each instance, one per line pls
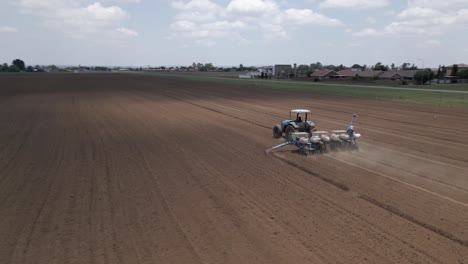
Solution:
(138, 169)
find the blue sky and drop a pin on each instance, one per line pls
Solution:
(230, 32)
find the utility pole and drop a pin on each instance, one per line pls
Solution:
(422, 73)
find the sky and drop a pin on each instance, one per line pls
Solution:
(231, 32)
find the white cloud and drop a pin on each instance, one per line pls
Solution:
(370, 20)
(355, 4)
(431, 43)
(252, 6)
(40, 5)
(354, 44)
(224, 25)
(206, 20)
(420, 27)
(274, 31)
(127, 33)
(123, 1)
(368, 32)
(431, 18)
(199, 5)
(7, 29)
(462, 16)
(182, 25)
(196, 16)
(206, 42)
(306, 16)
(420, 12)
(437, 3)
(74, 19)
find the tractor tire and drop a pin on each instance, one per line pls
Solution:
(277, 131)
(288, 132)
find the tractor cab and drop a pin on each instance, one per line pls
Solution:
(298, 115)
(297, 122)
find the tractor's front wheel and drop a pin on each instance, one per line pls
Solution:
(288, 133)
(277, 131)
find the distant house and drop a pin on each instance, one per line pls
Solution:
(461, 67)
(369, 74)
(393, 75)
(347, 73)
(399, 74)
(324, 74)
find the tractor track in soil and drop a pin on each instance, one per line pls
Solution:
(142, 169)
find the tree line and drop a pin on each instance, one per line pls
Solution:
(18, 65)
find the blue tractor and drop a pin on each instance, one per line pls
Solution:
(291, 125)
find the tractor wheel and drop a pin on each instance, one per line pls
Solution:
(277, 131)
(288, 133)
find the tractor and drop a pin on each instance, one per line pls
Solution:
(312, 141)
(291, 125)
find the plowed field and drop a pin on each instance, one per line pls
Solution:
(140, 169)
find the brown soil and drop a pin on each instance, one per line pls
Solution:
(141, 169)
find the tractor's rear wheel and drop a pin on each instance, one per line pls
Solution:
(277, 131)
(288, 133)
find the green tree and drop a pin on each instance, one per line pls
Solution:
(463, 74)
(3, 67)
(393, 66)
(405, 66)
(241, 67)
(316, 66)
(380, 67)
(454, 70)
(19, 64)
(38, 68)
(421, 77)
(13, 68)
(356, 66)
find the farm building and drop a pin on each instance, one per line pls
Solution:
(250, 75)
(283, 71)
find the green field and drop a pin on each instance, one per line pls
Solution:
(458, 87)
(421, 97)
